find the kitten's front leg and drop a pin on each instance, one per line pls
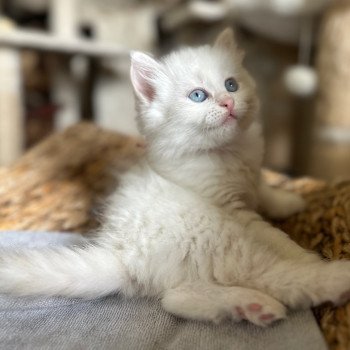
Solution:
(277, 203)
(210, 302)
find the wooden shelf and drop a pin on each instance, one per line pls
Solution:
(46, 42)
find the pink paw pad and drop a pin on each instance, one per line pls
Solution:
(254, 307)
(267, 317)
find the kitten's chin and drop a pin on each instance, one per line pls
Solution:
(222, 135)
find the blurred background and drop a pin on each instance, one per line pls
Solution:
(65, 61)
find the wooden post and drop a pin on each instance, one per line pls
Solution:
(63, 18)
(63, 21)
(11, 102)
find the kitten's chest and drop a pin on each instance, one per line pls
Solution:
(232, 187)
(228, 182)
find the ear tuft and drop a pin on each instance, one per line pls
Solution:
(226, 41)
(142, 73)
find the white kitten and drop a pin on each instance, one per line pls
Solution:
(182, 224)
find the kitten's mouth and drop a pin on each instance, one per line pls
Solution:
(226, 121)
(229, 119)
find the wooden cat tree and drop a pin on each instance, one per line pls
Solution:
(61, 39)
(112, 40)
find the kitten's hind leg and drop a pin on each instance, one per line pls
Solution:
(286, 271)
(299, 284)
(269, 236)
(211, 302)
(86, 272)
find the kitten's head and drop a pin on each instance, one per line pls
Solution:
(194, 99)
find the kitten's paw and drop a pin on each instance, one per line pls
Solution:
(341, 290)
(262, 311)
(336, 288)
(285, 205)
(215, 303)
(344, 298)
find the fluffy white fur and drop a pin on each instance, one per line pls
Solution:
(182, 225)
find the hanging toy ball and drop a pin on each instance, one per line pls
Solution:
(301, 80)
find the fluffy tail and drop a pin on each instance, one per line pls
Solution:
(86, 272)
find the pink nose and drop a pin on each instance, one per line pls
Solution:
(228, 103)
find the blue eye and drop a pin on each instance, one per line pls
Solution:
(231, 85)
(198, 95)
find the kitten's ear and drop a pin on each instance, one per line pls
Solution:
(142, 73)
(226, 41)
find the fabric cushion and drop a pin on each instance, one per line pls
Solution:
(118, 323)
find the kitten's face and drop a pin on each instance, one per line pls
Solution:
(194, 99)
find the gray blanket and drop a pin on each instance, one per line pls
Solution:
(118, 323)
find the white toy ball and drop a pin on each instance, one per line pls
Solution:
(301, 80)
(211, 11)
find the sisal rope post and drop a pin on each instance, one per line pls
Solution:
(11, 102)
(331, 145)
